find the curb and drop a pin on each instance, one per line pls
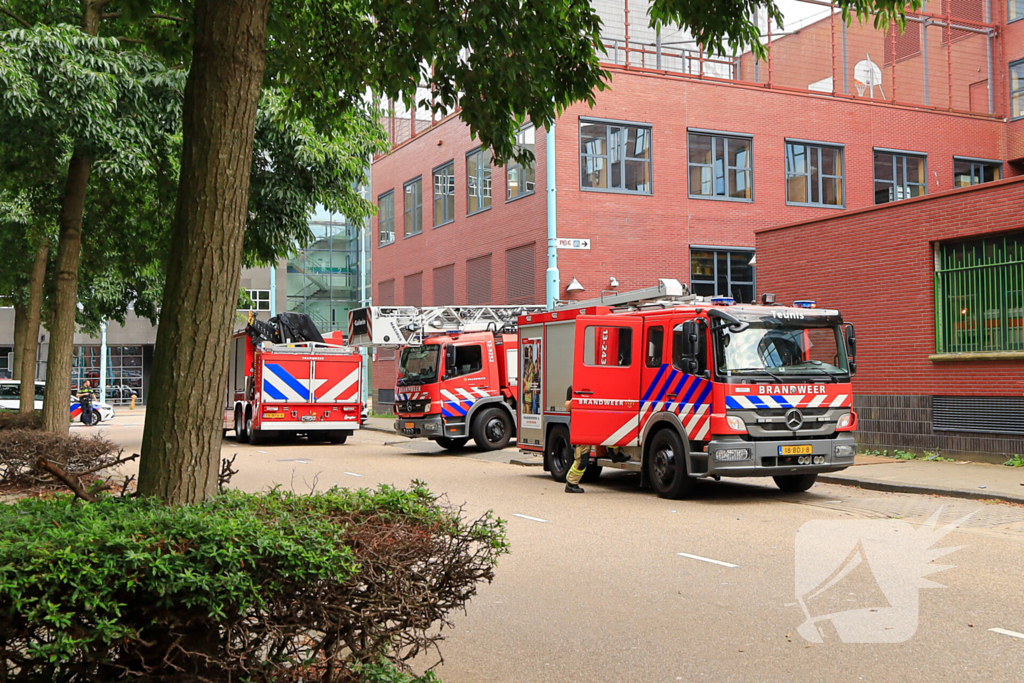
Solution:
(927, 490)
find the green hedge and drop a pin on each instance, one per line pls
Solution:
(244, 587)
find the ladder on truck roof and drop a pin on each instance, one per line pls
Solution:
(394, 326)
(308, 348)
(668, 292)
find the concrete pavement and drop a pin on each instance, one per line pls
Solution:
(620, 585)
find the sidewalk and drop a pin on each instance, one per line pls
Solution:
(380, 424)
(957, 479)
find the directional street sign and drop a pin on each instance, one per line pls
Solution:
(570, 243)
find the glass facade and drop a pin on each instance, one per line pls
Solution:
(323, 279)
(716, 272)
(124, 371)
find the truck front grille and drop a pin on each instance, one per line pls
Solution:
(411, 406)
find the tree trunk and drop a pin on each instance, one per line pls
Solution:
(20, 332)
(27, 361)
(182, 437)
(65, 296)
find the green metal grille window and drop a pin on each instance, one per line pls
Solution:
(979, 296)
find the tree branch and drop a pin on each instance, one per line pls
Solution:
(168, 17)
(70, 481)
(112, 15)
(136, 41)
(14, 16)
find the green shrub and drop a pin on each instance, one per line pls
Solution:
(259, 587)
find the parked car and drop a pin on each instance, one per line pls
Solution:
(10, 399)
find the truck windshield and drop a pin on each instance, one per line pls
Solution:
(776, 351)
(418, 364)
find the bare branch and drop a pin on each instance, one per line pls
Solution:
(136, 41)
(71, 481)
(166, 17)
(14, 16)
(111, 15)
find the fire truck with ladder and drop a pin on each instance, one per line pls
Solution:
(456, 369)
(285, 378)
(689, 388)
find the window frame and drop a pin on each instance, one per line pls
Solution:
(1009, 4)
(1019, 92)
(454, 349)
(980, 162)
(255, 307)
(587, 329)
(661, 346)
(433, 176)
(385, 195)
(512, 165)
(415, 208)
(713, 134)
(898, 153)
(728, 251)
(485, 153)
(814, 144)
(608, 124)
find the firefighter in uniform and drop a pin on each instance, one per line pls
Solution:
(85, 400)
(582, 456)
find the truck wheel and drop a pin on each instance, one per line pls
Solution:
(252, 435)
(666, 465)
(795, 483)
(492, 429)
(450, 444)
(240, 434)
(558, 453)
(338, 437)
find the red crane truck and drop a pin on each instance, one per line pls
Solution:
(689, 389)
(456, 369)
(285, 378)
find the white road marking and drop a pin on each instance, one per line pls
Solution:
(532, 519)
(264, 452)
(708, 559)
(1003, 631)
(304, 462)
(353, 474)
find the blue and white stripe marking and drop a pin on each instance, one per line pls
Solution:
(457, 402)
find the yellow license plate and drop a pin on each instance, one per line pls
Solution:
(795, 450)
(271, 415)
(410, 425)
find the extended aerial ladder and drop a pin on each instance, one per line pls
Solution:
(396, 326)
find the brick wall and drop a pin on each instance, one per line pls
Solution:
(638, 238)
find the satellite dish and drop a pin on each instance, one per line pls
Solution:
(868, 77)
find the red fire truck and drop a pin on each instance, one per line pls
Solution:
(689, 389)
(456, 369)
(285, 378)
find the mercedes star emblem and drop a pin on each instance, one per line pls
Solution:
(794, 419)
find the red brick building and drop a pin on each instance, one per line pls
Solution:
(684, 158)
(935, 288)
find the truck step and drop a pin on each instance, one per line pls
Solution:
(629, 465)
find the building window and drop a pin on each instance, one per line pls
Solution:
(1016, 10)
(255, 300)
(444, 194)
(520, 179)
(814, 174)
(444, 285)
(967, 172)
(6, 359)
(1017, 88)
(615, 157)
(716, 272)
(414, 290)
(899, 176)
(386, 218)
(413, 207)
(521, 274)
(979, 295)
(124, 371)
(478, 281)
(478, 181)
(386, 293)
(720, 167)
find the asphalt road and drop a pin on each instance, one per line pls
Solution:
(596, 589)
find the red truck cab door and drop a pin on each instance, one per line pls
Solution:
(606, 381)
(467, 369)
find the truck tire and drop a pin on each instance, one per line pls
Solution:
(492, 429)
(240, 434)
(338, 437)
(450, 444)
(558, 453)
(795, 483)
(666, 465)
(252, 435)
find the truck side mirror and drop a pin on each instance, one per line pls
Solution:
(691, 339)
(450, 367)
(851, 340)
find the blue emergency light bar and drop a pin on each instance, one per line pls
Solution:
(723, 300)
(804, 303)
